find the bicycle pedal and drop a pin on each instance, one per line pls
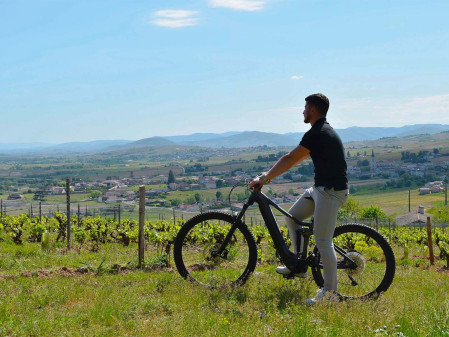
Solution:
(289, 276)
(299, 275)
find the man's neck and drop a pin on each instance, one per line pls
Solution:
(313, 121)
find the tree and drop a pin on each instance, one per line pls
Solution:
(218, 195)
(372, 212)
(175, 202)
(171, 177)
(352, 189)
(352, 206)
(361, 163)
(198, 198)
(94, 195)
(288, 176)
(219, 183)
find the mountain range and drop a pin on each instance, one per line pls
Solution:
(233, 139)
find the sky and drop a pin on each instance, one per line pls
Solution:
(89, 70)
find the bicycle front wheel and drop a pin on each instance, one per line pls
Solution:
(196, 245)
(365, 262)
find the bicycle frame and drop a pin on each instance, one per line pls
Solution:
(293, 261)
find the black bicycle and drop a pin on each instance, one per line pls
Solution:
(226, 255)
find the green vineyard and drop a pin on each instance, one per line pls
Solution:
(409, 243)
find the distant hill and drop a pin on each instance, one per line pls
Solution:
(232, 139)
(355, 133)
(244, 139)
(153, 141)
(93, 146)
(63, 148)
(199, 137)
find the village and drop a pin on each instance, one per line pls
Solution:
(197, 178)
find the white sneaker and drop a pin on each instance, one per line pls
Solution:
(283, 270)
(323, 295)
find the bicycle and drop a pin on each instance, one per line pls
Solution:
(226, 255)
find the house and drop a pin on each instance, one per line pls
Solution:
(111, 199)
(184, 186)
(79, 187)
(173, 186)
(436, 189)
(231, 181)
(110, 183)
(156, 191)
(189, 208)
(208, 182)
(434, 184)
(417, 218)
(15, 196)
(354, 171)
(55, 190)
(424, 190)
(115, 192)
(195, 186)
(130, 195)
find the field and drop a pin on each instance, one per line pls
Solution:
(159, 302)
(96, 289)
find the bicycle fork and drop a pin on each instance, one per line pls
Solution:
(222, 248)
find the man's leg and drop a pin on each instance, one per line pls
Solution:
(301, 210)
(327, 203)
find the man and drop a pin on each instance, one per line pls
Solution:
(323, 200)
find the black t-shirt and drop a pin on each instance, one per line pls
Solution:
(328, 155)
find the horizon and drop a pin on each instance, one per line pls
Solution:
(199, 133)
(78, 72)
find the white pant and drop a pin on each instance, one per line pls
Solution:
(323, 203)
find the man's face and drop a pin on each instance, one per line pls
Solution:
(307, 113)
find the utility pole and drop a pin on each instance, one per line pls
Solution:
(141, 240)
(445, 191)
(79, 215)
(69, 230)
(409, 201)
(119, 214)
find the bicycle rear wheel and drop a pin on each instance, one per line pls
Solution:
(199, 239)
(373, 267)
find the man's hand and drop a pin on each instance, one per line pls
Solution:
(260, 180)
(256, 181)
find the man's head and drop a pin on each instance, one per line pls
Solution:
(316, 107)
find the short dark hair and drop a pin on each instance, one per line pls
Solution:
(320, 102)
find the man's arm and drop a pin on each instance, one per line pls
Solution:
(286, 162)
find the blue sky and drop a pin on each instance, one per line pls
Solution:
(88, 70)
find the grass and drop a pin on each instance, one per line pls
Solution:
(42, 294)
(396, 202)
(162, 304)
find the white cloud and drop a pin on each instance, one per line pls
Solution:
(173, 18)
(296, 77)
(239, 5)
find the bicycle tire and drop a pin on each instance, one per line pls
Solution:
(373, 255)
(196, 240)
